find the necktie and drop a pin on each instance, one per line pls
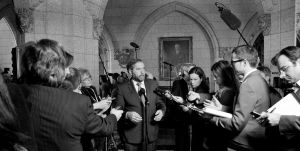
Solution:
(141, 92)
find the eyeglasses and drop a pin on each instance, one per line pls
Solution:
(284, 68)
(235, 61)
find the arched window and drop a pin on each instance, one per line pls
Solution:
(7, 42)
(259, 46)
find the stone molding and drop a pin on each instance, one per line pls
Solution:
(26, 19)
(257, 23)
(98, 25)
(264, 24)
(298, 25)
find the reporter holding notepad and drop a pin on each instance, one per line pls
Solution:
(246, 133)
(286, 126)
(225, 78)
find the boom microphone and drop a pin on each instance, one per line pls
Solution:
(134, 45)
(167, 63)
(230, 19)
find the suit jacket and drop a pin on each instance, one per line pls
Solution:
(288, 131)
(253, 96)
(129, 100)
(59, 117)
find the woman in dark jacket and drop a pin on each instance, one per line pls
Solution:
(226, 79)
(199, 91)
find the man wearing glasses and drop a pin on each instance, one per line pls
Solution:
(287, 127)
(253, 95)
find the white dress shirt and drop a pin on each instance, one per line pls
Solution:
(137, 87)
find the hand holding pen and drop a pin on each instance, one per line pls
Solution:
(269, 118)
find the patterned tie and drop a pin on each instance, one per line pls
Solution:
(141, 92)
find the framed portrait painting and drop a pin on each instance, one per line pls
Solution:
(173, 51)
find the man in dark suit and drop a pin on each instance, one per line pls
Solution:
(286, 126)
(247, 134)
(143, 109)
(57, 117)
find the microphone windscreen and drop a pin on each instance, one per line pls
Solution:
(230, 19)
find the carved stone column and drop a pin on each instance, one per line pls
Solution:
(298, 26)
(264, 24)
(26, 19)
(98, 25)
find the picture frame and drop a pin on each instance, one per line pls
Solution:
(173, 51)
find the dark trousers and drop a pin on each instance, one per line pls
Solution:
(182, 136)
(139, 147)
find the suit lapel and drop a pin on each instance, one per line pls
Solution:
(244, 80)
(131, 88)
(133, 92)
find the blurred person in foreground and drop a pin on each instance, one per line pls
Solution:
(11, 136)
(59, 117)
(143, 109)
(285, 127)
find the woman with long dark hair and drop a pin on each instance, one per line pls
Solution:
(226, 79)
(199, 91)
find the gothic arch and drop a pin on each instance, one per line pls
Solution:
(182, 8)
(109, 44)
(8, 13)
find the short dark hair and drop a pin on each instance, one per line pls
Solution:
(131, 63)
(265, 70)
(248, 53)
(44, 63)
(291, 52)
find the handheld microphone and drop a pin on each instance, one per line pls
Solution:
(167, 63)
(143, 92)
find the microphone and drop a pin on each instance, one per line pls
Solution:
(230, 19)
(134, 45)
(167, 63)
(142, 92)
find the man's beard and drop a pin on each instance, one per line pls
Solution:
(139, 78)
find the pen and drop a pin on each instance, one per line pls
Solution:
(272, 110)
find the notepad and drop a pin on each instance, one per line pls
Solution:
(288, 105)
(217, 113)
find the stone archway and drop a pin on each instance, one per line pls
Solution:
(7, 12)
(185, 9)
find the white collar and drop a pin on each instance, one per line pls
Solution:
(248, 73)
(298, 83)
(136, 86)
